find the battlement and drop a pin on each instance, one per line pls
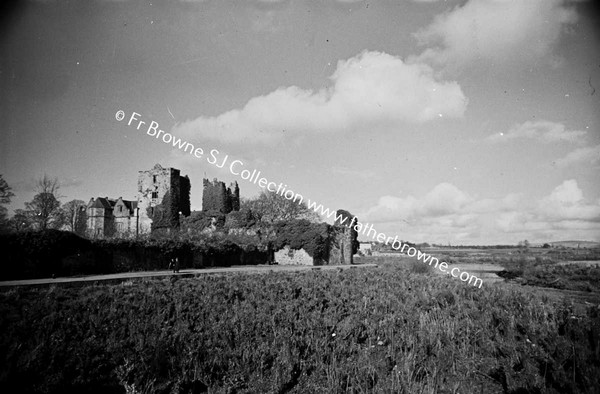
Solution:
(217, 197)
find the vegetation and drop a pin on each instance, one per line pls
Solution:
(314, 238)
(42, 254)
(565, 277)
(346, 219)
(165, 216)
(185, 188)
(5, 195)
(44, 209)
(352, 331)
(201, 220)
(21, 221)
(242, 219)
(270, 208)
(73, 216)
(543, 273)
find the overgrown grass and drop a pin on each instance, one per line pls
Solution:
(352, 331)
(546, 273)
(565, 277)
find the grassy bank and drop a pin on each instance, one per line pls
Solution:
(380, 330)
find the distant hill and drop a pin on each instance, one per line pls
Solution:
(575, 244)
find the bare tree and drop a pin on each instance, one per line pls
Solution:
(270, 207)
(45, 207)
(72, 215)
(5, 196)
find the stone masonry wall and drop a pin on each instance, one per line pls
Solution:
(287, 256)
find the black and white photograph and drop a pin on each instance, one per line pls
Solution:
(299, 196)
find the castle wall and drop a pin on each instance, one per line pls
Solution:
(99, 222)
(125, 227)
(217, 197)
(125, 219)
(153, 185)
(287, 256)
(344, 240)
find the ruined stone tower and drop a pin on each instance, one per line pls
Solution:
(345, 239)
(217, 197)
(162, 195)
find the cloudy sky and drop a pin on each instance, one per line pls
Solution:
(462, 122)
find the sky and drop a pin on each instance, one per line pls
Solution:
(454, 122)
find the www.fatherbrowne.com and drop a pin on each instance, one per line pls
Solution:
(236, 167)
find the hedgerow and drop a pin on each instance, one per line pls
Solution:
(49, 253)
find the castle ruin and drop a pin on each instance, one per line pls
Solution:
(163, 194)
(345, 239)
(218, 198)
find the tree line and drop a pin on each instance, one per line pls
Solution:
(43, 212)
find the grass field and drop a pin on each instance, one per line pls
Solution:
(396, 328)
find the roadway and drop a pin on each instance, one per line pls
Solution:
(184, 273)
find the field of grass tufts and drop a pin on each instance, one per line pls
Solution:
(386, 330)
(549, 274)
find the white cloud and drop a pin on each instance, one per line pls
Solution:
(499, 31)
(589, 155)
(541, 130)
(447, 213)
(566, 202)
(443, 199)
(370, 90)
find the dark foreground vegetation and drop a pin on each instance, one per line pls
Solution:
(54, 253)
(353, 331)
(547, 273)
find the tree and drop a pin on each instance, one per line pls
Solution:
(5, 196)
(21, 221)
(45, 207)
(72, 216)
(270, 207)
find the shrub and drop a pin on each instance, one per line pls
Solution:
(314, 238)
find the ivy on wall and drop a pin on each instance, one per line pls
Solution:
(345, 219)
(314, 238)
(184, 195)
(166, 214)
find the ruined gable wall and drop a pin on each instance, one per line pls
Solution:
(344, 240)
